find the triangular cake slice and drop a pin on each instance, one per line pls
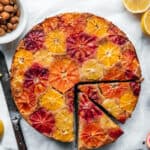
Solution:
(95, 128)
(118, 98)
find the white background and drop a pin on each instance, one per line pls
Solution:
(135, 128)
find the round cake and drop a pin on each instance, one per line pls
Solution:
(59, 53)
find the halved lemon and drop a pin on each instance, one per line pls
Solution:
(145, 22)
(1, 128)
(136, 6)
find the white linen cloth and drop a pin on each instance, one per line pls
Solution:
(136, 128)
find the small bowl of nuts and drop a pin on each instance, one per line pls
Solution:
(13, 20)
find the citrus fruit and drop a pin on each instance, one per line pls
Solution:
(81, 46)
(23, 59)
(64, 126)
(43, 121)
(36, 78)
(113, 90)
(112, 106)
(128, 101)
(87, 109)
(145, 22)
(148, 140)
(43, 57)
(64, 74)
(108, 53)
(1, 128)
(92, 70)
(93, 135)
(34, 40)
(52, 100)
(97, 26)
(136, 6)
(55, 41)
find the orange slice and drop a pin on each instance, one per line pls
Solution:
(55, 42)
(108, 53)
(97, 26)
(43, 57)
(112, 106)
(91, 69)
(64, 126)
(23, 59)
(128, 102)
(93, 136)
(52, 100)
(64, 74)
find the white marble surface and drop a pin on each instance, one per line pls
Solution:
(135, 128)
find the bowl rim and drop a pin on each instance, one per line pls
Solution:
(9, 37)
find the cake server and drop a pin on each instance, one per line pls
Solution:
(13, 112)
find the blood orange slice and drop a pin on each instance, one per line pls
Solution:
(43, 121)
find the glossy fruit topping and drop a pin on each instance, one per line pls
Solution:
(108, 53)
(72, 23)
(87, 109)
(92, 70)
(115, 133)
(81, 46)
(56, 42)
(69, 97)
(34, 40)
(26, 102)
(92, 92)
(113, 90)
(64, 126)
(93, 136)
(97, 26)
(128, 101)
(64, 74)
(37, 78)
(43, 121)
(22, 59)
(118, 39)
(52, 100)
(135, 86)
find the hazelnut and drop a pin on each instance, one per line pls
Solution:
(5, 15)
(10, 26)
(2, 32)
(9, 8)
(4, 2)
(1, 7)
(14, 20)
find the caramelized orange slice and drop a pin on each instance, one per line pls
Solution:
(97, 26)
(64, 74)
(22, 59)
(113, 89)
(64, 126)
(43, 57)
(128, 102)
(92, 70)
(52, 100)
(108, 53)
(93, 136)
(55, 41)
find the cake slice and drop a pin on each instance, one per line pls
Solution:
(95, 128)
(118, 98)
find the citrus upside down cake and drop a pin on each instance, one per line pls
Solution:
(67, 50)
